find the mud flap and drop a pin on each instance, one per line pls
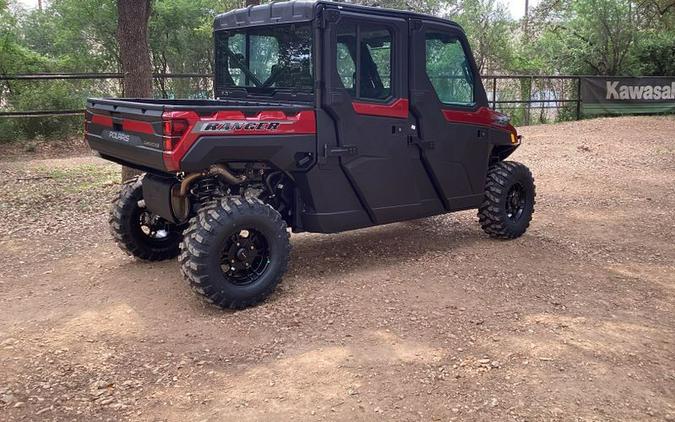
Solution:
(157, 196)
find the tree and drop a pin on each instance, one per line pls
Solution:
(181, 41)
(132, 38)
(592, 37)
(79, 35)
(488, 27)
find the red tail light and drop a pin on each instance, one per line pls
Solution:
(175, 127)
(173, 130)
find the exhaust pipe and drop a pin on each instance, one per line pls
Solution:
(215, 169)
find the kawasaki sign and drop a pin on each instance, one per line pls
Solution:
(625, 95)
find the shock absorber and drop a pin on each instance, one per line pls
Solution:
(206, 189)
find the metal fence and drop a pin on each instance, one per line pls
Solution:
(528, 99)
(531, 99)
(84, 85)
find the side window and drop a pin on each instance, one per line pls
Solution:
(346, 67)
(346, 57)
(448, 69)
(365, 72)
(375, 62)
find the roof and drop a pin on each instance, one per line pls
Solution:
(302, 11)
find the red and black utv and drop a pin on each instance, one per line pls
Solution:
(327, 117)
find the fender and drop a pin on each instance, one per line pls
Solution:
(285, 152)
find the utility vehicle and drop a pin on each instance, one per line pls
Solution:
(327, 117)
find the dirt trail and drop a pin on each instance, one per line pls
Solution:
(423, 320)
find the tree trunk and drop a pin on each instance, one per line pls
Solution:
(252, 2)
(132, 37)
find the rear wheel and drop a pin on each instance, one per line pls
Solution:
(507, 209)
(235, 252)
(139, 232)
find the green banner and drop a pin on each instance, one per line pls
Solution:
(627, 95)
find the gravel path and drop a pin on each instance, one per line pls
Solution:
(423, 320)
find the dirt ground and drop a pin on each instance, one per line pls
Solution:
(423, 320)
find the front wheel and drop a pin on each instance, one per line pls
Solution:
(235, 252)
(507, 209)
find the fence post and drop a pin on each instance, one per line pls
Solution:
(494, 93)
(529, 101)
(578, 98)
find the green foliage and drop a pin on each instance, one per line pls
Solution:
(655, 53)
(60, 95)
(489, 29)
(78, 35)
(615, 37)
(600, 37)
(181, 41)
(593, 37)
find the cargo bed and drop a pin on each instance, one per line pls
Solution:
(141, 133)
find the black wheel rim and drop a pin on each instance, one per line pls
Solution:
(246, 257)
(515, 202)
(153, 228)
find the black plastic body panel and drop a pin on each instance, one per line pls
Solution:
(285, 12)
(302, 11)
(145, 106)
(282, 151)
(157, 195)
(134, 156)
(137, 150)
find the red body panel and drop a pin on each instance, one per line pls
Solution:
(397, 108)
(137, 126)
(484, 116)
(97, 119)
(302, 123)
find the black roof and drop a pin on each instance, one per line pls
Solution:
(301, 11)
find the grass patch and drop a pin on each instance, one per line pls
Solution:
(82, 178)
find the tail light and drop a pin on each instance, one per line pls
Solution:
(173, 130)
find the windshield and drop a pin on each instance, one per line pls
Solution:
(266, 59)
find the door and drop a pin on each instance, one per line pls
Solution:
(450, 109)
(366, 76)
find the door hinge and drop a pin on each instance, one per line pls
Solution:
(329, 16)
(329, 151)
(415, 25)
(413, 140)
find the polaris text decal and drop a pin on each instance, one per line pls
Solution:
(120, 137)
(238, 125)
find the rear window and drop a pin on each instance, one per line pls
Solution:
(265, 59)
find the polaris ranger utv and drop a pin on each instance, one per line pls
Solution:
(327, 117)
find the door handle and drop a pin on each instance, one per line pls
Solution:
(414, 140)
